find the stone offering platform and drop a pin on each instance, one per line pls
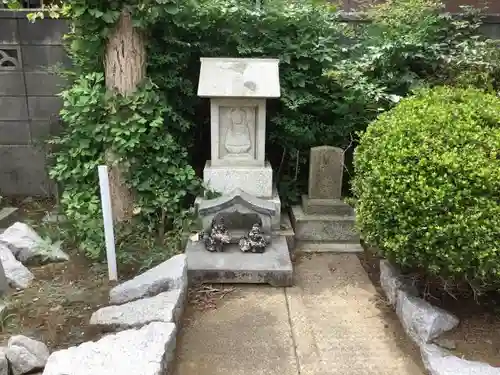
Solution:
(324, 227)
(324, 222)
(273, 267)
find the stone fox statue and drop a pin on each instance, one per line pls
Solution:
(254, 241)
(217, 238)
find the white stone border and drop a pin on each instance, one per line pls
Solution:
(144, 315)
(424, 323)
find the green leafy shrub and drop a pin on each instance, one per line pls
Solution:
(427, 184)
(161, 135)
(158, 171)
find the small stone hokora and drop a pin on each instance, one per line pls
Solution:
(254, 241)
(217, 238)
(237, 139)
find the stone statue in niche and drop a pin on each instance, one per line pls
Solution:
(218, 237)
(254, 241)
(237, 140)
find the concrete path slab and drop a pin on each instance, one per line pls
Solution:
(327, 324)
(248, 334)
(337, 327)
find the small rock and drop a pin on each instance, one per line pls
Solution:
(422, 321)
(28, 247)
(26, 355)
(144, 351)
(171, 274)
(18, 276)
(438, 362)
(446, 343)
(165, 307)
(391, 281)
(4, 363)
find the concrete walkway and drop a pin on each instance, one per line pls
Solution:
(328, 323)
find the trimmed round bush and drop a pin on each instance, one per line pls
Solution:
(427, 184)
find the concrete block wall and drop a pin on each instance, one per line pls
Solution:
(28, 101)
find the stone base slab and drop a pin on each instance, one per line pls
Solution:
(253, 180)
(323, 228)
(327, 247)
(274, 266)
(337, 207)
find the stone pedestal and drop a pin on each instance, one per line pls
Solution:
(237, 169)
(324, 218)
(232, 266)
(254, 180)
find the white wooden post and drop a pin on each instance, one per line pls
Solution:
(108, 222)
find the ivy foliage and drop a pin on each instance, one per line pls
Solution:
(427, 184)
(133, 128)
(335, 79)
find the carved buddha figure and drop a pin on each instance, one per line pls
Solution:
(237, 139)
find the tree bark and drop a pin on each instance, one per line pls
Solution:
(125, 69)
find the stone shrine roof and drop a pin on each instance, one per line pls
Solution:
(239, 78)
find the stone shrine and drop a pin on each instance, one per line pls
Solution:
(249, 205)
(324, 219)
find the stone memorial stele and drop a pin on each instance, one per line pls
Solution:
(323, 217)
(241, 243)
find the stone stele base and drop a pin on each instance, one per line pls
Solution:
(274, 266)
(326, 207)
(323, 228)
(254, 180)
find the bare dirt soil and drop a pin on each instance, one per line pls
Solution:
(477, 337)
(57, 306)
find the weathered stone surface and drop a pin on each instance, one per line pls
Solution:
(257, 181)
(28, 247)
(239, 211)
(40, 58)
(25, 354)
(17, 274)
(8, 216)
(43, 83)
(390, 281)
(422, 321)
(13, 108)
(12, 82)
(445, 343)
(327, 228)
(144, 351)
(438, 362)
(326, 207)
(14, 132)
(274, 266)
(239, 77)
(328, 247)
(43, 107)
(171, 274)
(4, 363)
(23, 170)
(326, 167)
(164, 307)
(50, 31)
(276, 219)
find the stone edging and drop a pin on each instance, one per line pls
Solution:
(424, 323)
(144, 318)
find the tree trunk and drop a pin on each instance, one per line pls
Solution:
(125, 68)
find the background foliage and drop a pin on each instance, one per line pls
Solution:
(427, 184)
(335, 77)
